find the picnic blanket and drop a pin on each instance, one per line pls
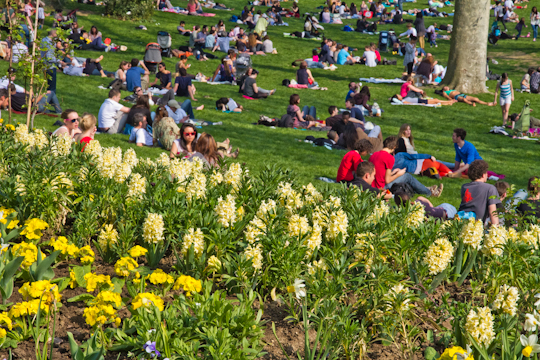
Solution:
(382, 81)
(290, 36)
(428, 105)
(219, 82)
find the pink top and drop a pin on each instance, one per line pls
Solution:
(316, 58)
(93, 37)
(405, 89)
(192, 7)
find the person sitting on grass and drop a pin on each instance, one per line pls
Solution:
(139, 135)
(465, 152)
(225, 71)
(228, 104)
(530, 209)
(302, 119)
(386, 175)
(185, 144)
(141, 107)
(344, 58)
(250, 88)
(88, 129)
(459, 97)
(164, 76)
(112, 115)
(206, 150)
(479, 199)
(71, 124)
(443, 211)
(183, 85)
(365, 175)
(351, 160)
(182, 29)
(164, 129)
(176, 112)
(137, 76)
(19, 101)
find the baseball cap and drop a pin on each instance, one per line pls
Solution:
(174, 104)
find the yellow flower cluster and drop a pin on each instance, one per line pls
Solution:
(4, 213)
(137, 251)
(380, 211)
(4, 171)
(123, 171)
(337, 224)
(363, 246)
(29, 251)
(107, 236)
(480, 325)
(33, 227)
(108, 161)
(531, 237)
(452, 354)
(197, 187)
(254, 253)
(180, 169)
(316, 265)
(159, 277)
(62, 145)
(72, 279)
(146, 300)
(288, 197)
(399, 293)
(254, 229)
(22, 136)
(5, 322)
(40, 139)
(298, 225)
(314, 240)
(416, 216)
(136, 187)
(267, 209)
(495, 241)
(130, 157)
(311, 194)
(195, 238)
(188, 284)
(62, 244)
(216, 178)
(507, 299)
(125, 266)
(41, 289)
(93, 148)
(100, 282)
(472, 233)
(27, 308)
(233, 176)
(86, 255)
(153, 228)
(439, 255)
(100, 315)
(226, 211)
(164, 160)
(214, 264)
(20, 188)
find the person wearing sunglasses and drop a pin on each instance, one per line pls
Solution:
(185, 145)
(71, 124)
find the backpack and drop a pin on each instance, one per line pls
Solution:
(406, 188)
(286, 121)
(286, 82)
(115, 84)
(234, 18)
(372, 27)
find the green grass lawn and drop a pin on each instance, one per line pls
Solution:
(261, 146)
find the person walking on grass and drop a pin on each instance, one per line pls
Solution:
(535, 21)
(507, 96)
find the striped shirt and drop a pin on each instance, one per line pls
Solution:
(505, 90)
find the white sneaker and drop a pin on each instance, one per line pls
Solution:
(326, 68)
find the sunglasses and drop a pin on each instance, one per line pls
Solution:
(138, 90)
(73, 120)
(190, 134)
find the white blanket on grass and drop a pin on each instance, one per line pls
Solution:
(382, 81)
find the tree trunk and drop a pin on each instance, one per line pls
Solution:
(30, 122)
(468, 48)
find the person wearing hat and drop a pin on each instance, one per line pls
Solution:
(250, 88)
(176, 112)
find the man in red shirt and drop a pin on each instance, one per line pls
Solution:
(352, 159)
(385, 177)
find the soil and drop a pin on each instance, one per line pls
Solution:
(290, 334)
(519, 58)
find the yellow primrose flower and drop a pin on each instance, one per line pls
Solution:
(3, 333)
(214, 263)
(10, 127)
(99, 314)
(4, 213)
(188, 284)
(124, 266)
(94, 281)
(5, 320)
(107, 298)
(146, 300)
(41, 289)
(33, 227)
(72, 279)
(28, 250)
(64, 246)
(137, 251)
(160, 277)
(456, 352)
(86, 255)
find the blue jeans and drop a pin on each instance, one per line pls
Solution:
(309, 111)
(49, 99)
(407, 178)
(97, 73)
(448, 164)
(98, 44)
(450, 209)
(535, 31)
(186, 106)
(26, 34)
(314, 64)
(51, 80)
(400, 5)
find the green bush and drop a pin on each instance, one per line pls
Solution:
(140, 9)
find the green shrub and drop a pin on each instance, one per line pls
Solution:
(139, 9)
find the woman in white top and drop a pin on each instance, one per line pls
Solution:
(185, 145)
(535, 21)
(71, 124)
(405, 141)
(120, 74)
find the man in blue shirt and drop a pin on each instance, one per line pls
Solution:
(344, 58)
(48, 54)
(465, 152)
(133, 75)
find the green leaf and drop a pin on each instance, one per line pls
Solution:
(81, 297)
(10, 270)
(437, 281)
(80, 272)
(468, 267)
(76, 354)
(118, 284)
(430, 353)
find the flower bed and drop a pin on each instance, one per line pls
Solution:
(106, 254)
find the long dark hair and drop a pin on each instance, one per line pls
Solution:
(504, 77)
(350, 138)
(143, 101)
(94, 27)
(365, 91)
(534, 10)
(206, 145)
(182, 141)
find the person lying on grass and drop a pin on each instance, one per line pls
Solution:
(421, 164)
(407, 100)
(351, 160)
(443, 211)
(139, 135)
(478, 197)
(459, 97)
(228, 104)
(387, 175)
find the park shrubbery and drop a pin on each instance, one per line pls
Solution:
(129, 9)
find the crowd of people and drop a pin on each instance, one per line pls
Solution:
(157, 118)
